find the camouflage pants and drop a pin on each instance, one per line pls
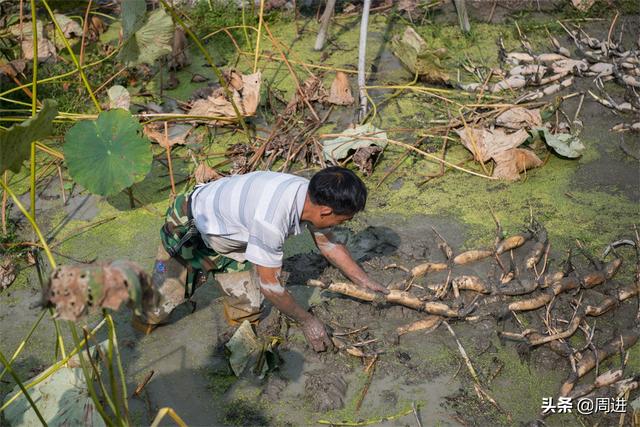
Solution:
(175, 278)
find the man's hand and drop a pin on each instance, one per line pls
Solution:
(273, 290)
(316, 334)
(375, 286)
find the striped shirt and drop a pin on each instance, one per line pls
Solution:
(247, 217)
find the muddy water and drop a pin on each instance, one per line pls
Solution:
(615, 171)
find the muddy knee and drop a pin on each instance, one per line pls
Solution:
(167, 290)
(243, 299)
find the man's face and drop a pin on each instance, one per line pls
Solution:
(328, 219)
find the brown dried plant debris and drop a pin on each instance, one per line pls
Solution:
(312, 90)
(246, 95)
(366, 157)
(199, 78)
(77, 290)
(156, 133)
(7, 272)
(582, 5)
(178, 58)
(239, 154)
(428, 323)
(486, 143)
(13, 68)
(510, 163)
(519, 118)
(96, 27)
(70, 28)
(205, 173)
(46, 50)
(407, 5)
(340, 92)
(275, 4)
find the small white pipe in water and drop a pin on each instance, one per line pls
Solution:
(362, 56)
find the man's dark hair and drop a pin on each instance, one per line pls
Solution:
(338, 188)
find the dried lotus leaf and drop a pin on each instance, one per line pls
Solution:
(340, 92)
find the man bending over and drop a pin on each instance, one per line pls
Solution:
(237, 226)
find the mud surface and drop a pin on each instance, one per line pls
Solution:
(326, 390)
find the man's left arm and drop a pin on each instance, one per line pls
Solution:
(338, 255)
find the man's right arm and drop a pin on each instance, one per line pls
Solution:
(272, 289)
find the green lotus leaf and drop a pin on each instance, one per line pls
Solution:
(149, 42)
(563, 144)
(15, 142)
(109, 154)
(133, 14)
(340, 147)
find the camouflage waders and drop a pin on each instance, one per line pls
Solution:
(184, 261)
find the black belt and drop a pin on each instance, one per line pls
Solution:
(192, 231)
(189, 212)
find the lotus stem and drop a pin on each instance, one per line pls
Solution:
(7, 367)
(325, 21)
(232, 27)
(15, 101)
(45, 246)
(59, 76)
(85, 30)
(4, 207)
(168, 411)
(24, 342)
(87, 376)
(96, 372)
(73, 56)
(244, 26)
(34, 31)
(260, 21)
(34, 107)
(32, 221)
(114, 339)
(53, 368)
(215, 69)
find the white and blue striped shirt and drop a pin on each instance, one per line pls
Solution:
(248, 217)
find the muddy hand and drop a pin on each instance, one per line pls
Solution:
(375, 286)
(316, 335)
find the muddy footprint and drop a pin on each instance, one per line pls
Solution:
(325, 391)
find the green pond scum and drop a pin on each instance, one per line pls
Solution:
(568, 210)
